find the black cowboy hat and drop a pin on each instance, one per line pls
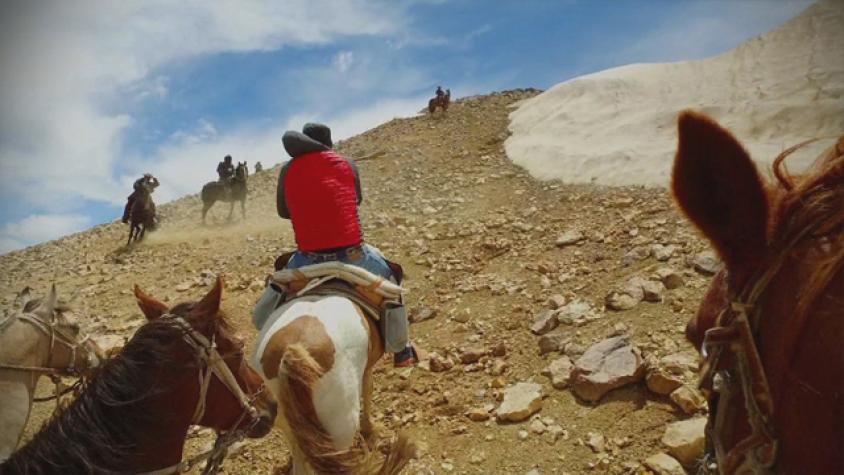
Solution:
(319, 132)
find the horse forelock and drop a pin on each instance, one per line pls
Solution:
(814, 200)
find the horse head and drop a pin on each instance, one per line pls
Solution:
(231, 396)
(767, 319)
(241, 172)
(59, 343)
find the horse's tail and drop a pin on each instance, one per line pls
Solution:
(399, 454)
(298, 373)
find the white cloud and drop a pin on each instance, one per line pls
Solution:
(39, 227)
(343, 60)
(64, 62)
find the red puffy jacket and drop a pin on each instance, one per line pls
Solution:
(319, 191)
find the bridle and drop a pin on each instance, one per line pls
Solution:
(56, 335)
(211, 364)
(734, 331)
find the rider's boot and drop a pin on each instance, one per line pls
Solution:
(406, 357)
(396, 335)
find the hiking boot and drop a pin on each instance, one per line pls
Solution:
(406, 357)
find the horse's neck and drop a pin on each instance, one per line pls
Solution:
(153, 442)
(22, 344)
(17, 388)
(163, 434)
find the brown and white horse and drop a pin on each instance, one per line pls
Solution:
(39, 338)
(316, 354)
(771, 326)
(183, 367)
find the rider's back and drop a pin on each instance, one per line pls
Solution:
(321, 198)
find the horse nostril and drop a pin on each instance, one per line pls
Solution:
(270, 412)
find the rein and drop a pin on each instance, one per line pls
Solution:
(212, 364)
(734, 331)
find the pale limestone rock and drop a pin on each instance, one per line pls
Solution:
(664, 464)
(662, 383)
(551, 342)
(559, 371)
(652, 291)
(569, 237)
(520, 402)
(707, 263)
(690, 400)
(606, 365)
(544, 322)
(685, 439)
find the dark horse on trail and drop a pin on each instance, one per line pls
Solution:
(215, 191)
(142, 216)
(441, 102)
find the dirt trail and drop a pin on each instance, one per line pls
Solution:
(477, 237)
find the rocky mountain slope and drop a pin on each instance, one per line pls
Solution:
(511, 281)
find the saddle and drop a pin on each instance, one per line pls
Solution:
(371, 292)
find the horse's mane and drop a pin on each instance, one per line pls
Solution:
(815, 199)
(95, 432)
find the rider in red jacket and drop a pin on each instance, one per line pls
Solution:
(319, 191)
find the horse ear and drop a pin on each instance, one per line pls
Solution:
(48, 305)
(23, 297)
(151, 307)
(717, 186)
(209, 306)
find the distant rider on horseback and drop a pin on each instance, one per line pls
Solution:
(439, 92)
(226, 170)
(319, 191)
(147, 181)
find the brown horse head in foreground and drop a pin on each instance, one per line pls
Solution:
(182, 367)
(772, 323)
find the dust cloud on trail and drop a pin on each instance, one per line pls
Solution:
(171, 233)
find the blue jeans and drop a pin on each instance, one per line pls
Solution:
(371, 259)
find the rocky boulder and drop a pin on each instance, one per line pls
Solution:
(609, 364)
(627, 296)
(559, 372)
(520, 402)
(685, 439)
(688, 399)
(662, 383)
(707, 263)
(544, 322)
(576, 312)
(664, 464)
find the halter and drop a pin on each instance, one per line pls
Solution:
(735, 330)
(211, 364)
(56, 335)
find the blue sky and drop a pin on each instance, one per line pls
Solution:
(95, 93)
